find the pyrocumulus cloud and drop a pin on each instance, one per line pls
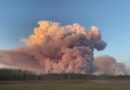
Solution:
(54, 48)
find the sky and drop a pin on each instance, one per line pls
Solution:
(18, 18)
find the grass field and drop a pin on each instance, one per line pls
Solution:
(66, 85)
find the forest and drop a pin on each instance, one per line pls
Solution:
(15, 74)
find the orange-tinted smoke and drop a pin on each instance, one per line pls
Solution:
(54, 48)
(109, 66)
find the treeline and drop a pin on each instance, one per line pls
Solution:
(10, 74)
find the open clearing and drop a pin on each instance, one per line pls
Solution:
(66, 85)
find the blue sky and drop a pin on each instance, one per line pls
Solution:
(19, 17)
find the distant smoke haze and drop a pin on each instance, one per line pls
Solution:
(54, 48)
(109, 66)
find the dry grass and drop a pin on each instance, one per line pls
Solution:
(66, 85)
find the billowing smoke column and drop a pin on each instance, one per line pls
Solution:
(59, 49)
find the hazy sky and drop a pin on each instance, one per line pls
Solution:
(19, 17)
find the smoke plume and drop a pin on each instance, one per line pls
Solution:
(109, 66)
(54, 48)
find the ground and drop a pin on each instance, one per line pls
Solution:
(66, 85)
